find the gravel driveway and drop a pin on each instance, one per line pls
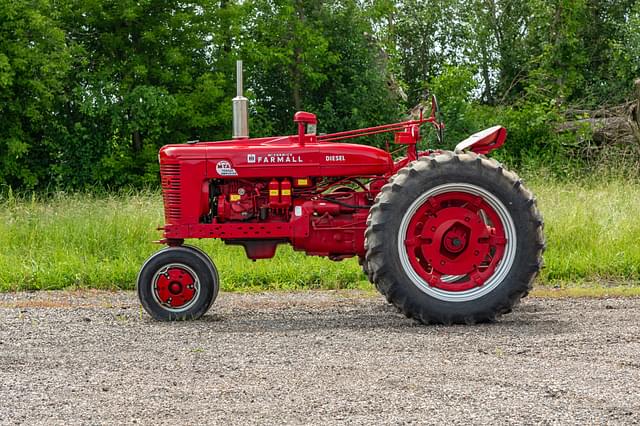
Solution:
(314, 357)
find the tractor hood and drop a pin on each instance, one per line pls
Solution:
(281, 157)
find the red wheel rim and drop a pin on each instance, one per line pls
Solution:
(176, 287)
(455, 240)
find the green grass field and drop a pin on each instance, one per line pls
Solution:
(82, 241)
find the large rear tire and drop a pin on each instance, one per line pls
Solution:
(454, 238)
(365, 269)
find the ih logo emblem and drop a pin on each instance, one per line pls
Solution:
(251, 158)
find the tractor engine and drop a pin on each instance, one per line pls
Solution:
(327, 223)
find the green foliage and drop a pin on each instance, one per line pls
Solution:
(424, 39)
(531, 141)
(145, 78)
(519, 64)
(300, 58)
(90, 89)
(575, 51)
(454, 87)
(34, 62)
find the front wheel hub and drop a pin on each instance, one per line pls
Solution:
(176, 287)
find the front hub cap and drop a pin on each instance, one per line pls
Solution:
(176, 287)
(457, 242)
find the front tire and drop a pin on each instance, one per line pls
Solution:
(177, 283)
(454, 238)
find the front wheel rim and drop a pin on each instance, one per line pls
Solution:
(175, 287)
(457, 242)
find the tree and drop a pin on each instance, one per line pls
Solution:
(428, 37)
(149, 73)
(34, 62)
(299, 58)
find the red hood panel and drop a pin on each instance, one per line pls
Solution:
(282, 157)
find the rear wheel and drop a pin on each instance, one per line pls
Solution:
(365, 269)
(454, 238)
(177, 283)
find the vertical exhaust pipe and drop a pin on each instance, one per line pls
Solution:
(240, 108)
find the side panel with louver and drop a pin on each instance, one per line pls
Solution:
(185, 188)
(171, 192)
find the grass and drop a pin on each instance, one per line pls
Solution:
(592, 231)
(101, 242)
(84, 241)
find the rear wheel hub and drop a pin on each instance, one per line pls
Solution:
(454, 241)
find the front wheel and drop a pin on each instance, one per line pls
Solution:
(454, 238)
(177, 283)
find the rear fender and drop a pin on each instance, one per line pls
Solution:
(484, 141)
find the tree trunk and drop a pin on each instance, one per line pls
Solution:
(137, 141)
(634, 112)
(296, 68)
(296, 84)
(637, 93)
(488, 93)
(226, 28)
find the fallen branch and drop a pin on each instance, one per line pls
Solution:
(619, 124)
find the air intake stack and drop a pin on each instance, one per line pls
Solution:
(240, 109)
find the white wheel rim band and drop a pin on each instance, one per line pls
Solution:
(503, 267)
(196, 287)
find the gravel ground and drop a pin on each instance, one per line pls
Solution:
(314, 357)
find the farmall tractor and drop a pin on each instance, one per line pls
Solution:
(447, 237)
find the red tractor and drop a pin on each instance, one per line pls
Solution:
(447, 237)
